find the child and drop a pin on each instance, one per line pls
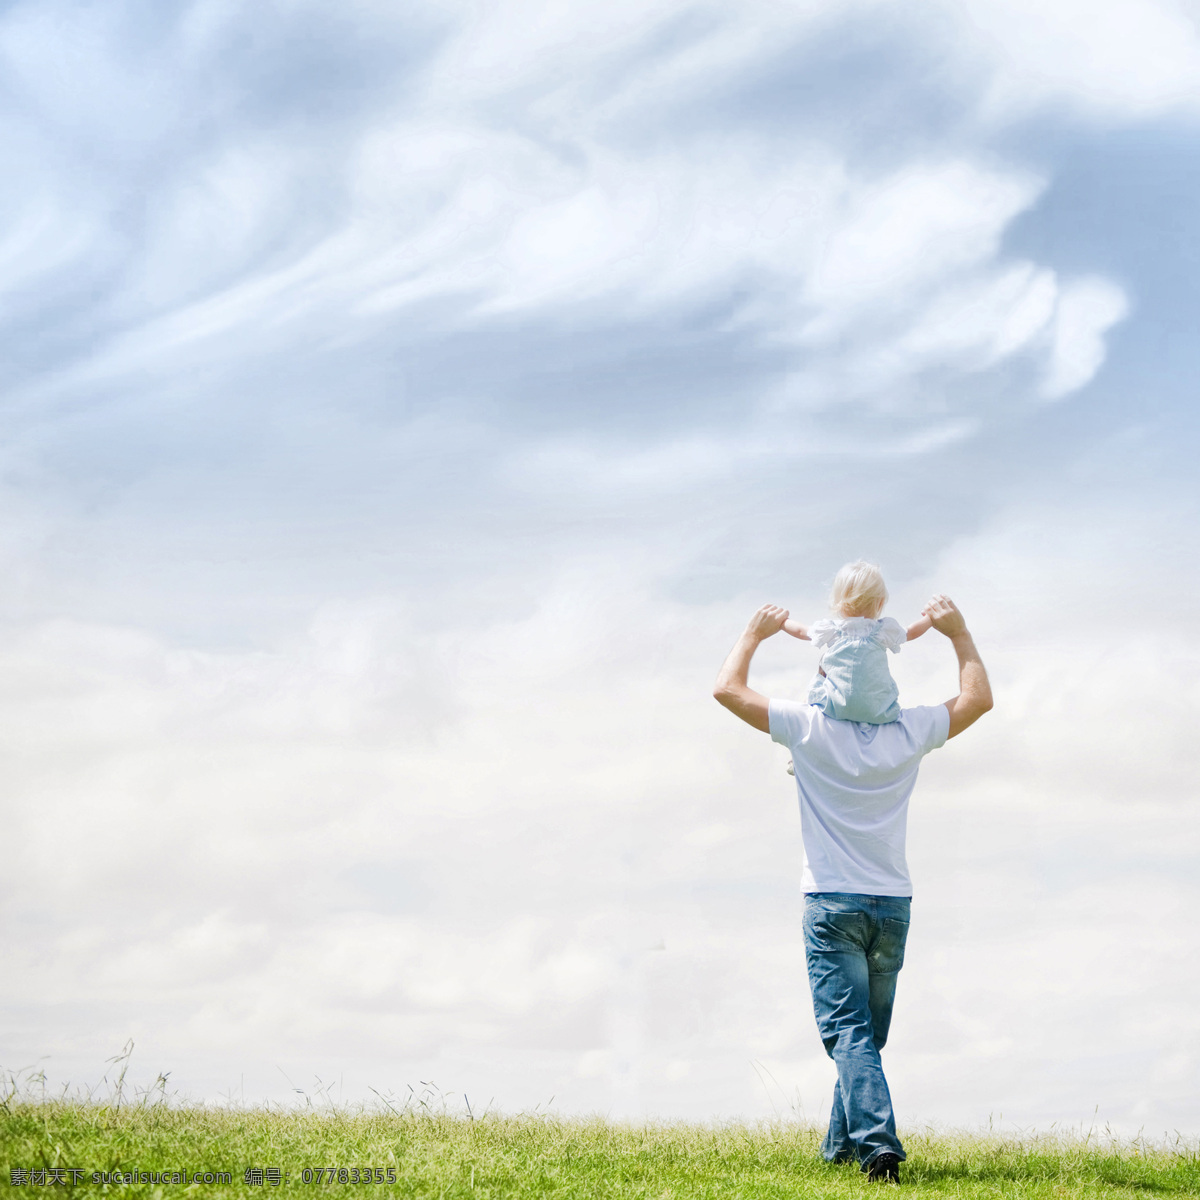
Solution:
(854, 683)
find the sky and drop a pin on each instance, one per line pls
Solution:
(405, 407)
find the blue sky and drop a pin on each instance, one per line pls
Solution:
(403, 412)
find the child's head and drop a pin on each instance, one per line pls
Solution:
(858, 591)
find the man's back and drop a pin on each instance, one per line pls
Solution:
(854, 782)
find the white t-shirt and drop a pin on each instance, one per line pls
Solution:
(854, 781)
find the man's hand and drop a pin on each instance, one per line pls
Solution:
(767, 622)
(731, 688)
(944, 616)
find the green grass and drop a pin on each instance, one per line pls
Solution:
(439, 1155)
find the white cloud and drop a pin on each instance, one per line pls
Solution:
(40, 239)
(588, 64)
(1113, 60)
(220, 802)
(1086, 310)
(591, 63)
(900, 235)
(253, 240)
(892, 275)
(988, 319)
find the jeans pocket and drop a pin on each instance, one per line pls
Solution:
(887, 955)
(826, 930)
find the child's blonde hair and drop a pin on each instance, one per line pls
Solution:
(858, 590)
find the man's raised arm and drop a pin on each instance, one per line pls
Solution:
(731, 688)
(975, 693)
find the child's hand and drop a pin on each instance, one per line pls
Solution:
(796, 630)
(918, 627)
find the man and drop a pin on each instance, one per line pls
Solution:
(854, 782)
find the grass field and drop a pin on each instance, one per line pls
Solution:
(440, 1155)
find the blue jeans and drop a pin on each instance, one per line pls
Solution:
(854, 946)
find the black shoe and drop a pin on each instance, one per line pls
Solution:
(883, 1168)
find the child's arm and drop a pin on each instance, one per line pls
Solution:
(922, 625)
(799, 631)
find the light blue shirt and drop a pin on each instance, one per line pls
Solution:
(857, 684)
